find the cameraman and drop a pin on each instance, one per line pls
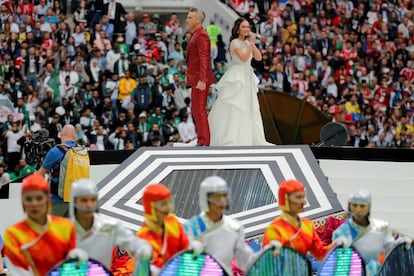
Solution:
(52, 164)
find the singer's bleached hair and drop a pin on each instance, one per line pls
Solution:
(200, 14)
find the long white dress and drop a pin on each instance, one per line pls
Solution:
(235, 118)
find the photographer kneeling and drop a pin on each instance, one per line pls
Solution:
(64, 171)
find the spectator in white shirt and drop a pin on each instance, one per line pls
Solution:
(41, 8)
(14, 27)
(99, 138)
(87, 118)
(331, 88)
(44, 26)
(112, 56)
(13, 148)
(186, 129)
(181, 93)
(67, 90)
(78, 36)
(117, 138)
(74, 77)
(4, 194)
(130, 29)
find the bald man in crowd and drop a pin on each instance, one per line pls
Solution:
(52, 163)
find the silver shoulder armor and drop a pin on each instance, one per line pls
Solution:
(106, 225)
(379, 225)
(232, 224)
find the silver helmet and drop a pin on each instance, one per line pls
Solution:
(212, 184)
(361, 196)
(81, 187)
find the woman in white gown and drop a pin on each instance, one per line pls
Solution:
(235, 118)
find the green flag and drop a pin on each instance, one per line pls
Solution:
(53, 83)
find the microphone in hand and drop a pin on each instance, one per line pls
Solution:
(257, 36)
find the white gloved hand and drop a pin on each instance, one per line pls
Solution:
(405, 240)
(144, 252)
(343, 241)
(275, 245)
(197, 247)
(155, 271)
(78, 254)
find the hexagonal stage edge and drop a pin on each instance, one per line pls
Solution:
(253, 173)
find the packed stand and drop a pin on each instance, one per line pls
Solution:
(120, 81)
(353, 60)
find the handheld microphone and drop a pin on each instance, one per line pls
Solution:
(257, 35)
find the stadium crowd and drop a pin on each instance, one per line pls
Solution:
(122, 81)
(353, 60)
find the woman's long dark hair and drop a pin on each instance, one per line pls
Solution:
(235, 29)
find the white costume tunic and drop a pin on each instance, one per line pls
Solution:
(104, 235)
(222, 240)
(370, 241)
